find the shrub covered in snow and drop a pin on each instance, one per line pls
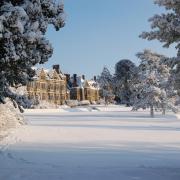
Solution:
(44, 105)
(9, 116)
(72, 103)
(84, 103)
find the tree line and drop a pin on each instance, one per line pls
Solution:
(155, 82)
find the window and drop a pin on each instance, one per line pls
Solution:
(57, 87)
(51, 87)
(43, 86)
(51, 97)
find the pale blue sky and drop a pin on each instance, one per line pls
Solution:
(101, 32)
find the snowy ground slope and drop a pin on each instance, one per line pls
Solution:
(107, 144)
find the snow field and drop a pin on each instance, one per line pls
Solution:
(110, 143)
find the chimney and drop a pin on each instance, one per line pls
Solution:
(57, 68)
(67, 77)
(95, 79)
(83, 77)
(75, 80)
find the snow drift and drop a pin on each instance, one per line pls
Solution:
(9, 116)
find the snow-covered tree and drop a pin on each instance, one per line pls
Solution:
(166, 29)
(125, 70)
(153, 87)
(105, 81)
(23, 24)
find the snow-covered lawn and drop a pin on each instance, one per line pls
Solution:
(104, 143)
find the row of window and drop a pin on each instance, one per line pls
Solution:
(88, 94)
(44, 86)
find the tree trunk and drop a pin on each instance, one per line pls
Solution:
(152, 111)
(163, 109)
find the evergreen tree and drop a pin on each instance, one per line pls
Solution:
(23, 24)
(166, 29)
(153, 87)
(125, 70)
(105, 81)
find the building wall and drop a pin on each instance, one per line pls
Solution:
(77, 93)
(52, 90)
(81, 94)
(91, 94)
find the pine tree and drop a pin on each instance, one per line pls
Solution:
(23, 25)
(105, 81)
(153, 87)
(166, 29)
(125, 70)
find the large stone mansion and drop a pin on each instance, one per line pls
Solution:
(55, 87)
(48, 85)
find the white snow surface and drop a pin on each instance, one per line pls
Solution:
(10, 117)
(101, 143)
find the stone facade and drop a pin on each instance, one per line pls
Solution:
(91, 91)
(48, 86)
(82, 89)
(55, 88)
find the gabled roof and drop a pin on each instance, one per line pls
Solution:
(40, 72)
(80, 81)
(49, 74)
(53, 74)
(86, 84)
(92, 84)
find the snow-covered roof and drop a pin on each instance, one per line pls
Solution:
(81, 83)
(49, 73)
(93, 84)
(79, 80)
